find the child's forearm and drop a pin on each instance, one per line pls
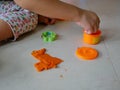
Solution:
(52, 8)
(60, 10)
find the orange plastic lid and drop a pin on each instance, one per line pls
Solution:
(86, 53)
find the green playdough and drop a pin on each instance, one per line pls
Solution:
(48, 36)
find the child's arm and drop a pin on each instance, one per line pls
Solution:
(58, 9)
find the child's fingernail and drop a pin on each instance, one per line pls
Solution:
(85, 31)
(88, 32)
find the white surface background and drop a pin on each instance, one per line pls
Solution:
(16, 63)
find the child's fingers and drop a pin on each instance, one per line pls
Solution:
(92, 28)
(97, 23)
(95, 29)
(52, 21)
(96, 26)
(89, 29)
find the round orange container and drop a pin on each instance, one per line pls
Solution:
(92, 38)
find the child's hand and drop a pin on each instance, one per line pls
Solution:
(46, 20)
(89, 21)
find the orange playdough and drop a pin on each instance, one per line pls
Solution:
(45, 60)
(86, 53)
